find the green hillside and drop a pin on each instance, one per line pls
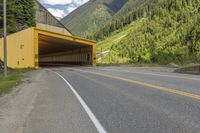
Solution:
(157, 31)
(20, 15)
(92, 15)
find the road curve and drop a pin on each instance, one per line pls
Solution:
(103, 100)
(122, 106)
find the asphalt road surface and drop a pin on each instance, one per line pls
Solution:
(115, 100)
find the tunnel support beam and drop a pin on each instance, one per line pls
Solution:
(36, 49)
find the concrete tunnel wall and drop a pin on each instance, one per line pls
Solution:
(82, 56)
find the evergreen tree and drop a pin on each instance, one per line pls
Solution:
(165, 31)
(20, 15)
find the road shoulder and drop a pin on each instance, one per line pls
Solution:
(16, 106)
(43, 103)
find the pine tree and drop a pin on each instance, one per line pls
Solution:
(11, 22)
(25, 15)
(162, 31)
(20, 15)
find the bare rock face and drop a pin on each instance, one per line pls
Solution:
(172, 65)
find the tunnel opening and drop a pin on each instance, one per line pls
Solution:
(55, 51)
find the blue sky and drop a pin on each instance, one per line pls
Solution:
(60, 8)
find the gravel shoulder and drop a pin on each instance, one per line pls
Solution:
(16, 106)
(43, 103)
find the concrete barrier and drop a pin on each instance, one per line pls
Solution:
(189, 70)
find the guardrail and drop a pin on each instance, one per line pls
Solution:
(1, 65)
(189, 70)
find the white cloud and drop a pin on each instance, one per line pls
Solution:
(57, 12)
(70, 9)
(80, 2)
(65, 6)
(64, 2)
(57, 2)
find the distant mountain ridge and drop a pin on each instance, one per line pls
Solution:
(92, 15)
(148, 31)
(156, 31)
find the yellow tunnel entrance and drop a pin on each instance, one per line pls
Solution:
(35, 47)
(57, 49)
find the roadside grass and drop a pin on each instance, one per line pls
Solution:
(107, 64)
(14, 78)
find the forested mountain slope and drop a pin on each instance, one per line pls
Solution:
(20, 15)
(159, 31)
(92, 15)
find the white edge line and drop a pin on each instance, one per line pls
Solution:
(93, 118)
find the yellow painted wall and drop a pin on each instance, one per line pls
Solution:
(94, 58)
(20, 49)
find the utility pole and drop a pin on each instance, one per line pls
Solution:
(5, 39)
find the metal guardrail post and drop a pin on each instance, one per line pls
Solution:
(5, 39)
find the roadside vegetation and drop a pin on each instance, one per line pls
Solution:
(14, 78)
(157, 31)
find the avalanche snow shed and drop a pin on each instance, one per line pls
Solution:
(36, 47)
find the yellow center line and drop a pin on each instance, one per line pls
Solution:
(170, 90)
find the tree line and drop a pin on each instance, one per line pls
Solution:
(167, 31)
(20, 15)
(145, 8)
